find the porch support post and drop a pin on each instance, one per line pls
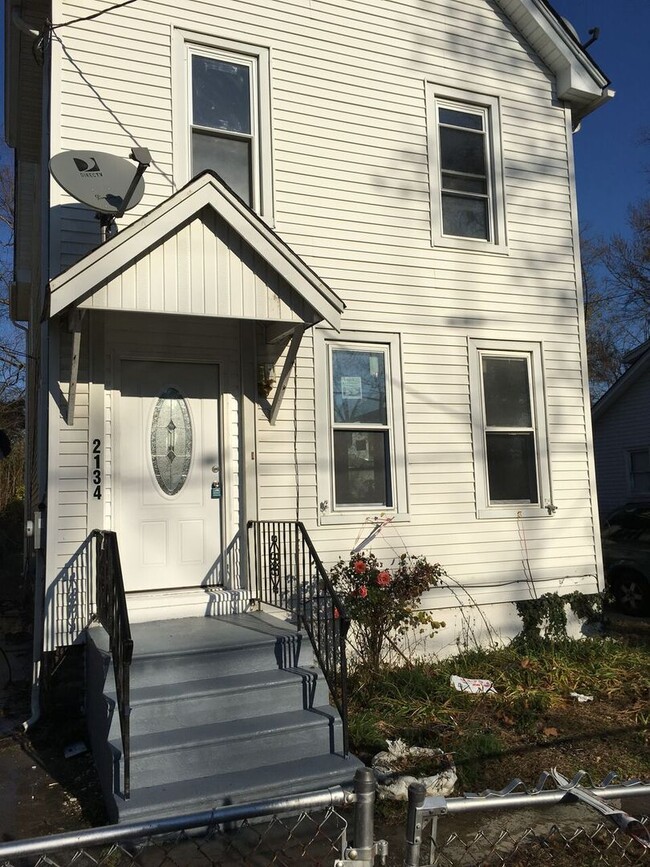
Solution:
(289, 361)
(75, 319)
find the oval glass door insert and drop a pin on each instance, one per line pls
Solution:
(171, 441)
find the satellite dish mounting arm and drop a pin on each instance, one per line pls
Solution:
(143, 158)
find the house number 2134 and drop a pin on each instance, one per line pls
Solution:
(97, 469)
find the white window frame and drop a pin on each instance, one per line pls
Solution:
(642, 493)
(489, 109)
(329, 512)
(258, 59)
(533, 353)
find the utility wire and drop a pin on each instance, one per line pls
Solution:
(91, 17)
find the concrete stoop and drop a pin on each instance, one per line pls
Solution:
(225, 710)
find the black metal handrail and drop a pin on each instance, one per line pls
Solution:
(289, 575)
(113, 615)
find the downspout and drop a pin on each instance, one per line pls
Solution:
(43, 339)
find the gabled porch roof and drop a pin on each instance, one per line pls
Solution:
(291, 290)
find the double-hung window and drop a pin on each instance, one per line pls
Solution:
(510, 446)
(223, 112)
(467, 199)
(361, 436)
(227, 117)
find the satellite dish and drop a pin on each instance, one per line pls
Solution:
(98, 180)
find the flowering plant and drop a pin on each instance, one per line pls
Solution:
(383, 604)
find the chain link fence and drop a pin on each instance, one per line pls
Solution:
(310, 830)
(306, 829)
(573, 823)
(580, 847)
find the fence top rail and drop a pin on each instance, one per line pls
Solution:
(512, 799)
(321, 799)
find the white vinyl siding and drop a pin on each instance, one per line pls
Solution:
(206, 270)
(351, 190)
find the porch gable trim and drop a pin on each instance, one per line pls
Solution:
(207, 190)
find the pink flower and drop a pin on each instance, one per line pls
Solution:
(336, 614)
(363, 591)
(360, 567)
(383, 579)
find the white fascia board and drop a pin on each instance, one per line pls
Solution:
(95, 269)
(579, 81)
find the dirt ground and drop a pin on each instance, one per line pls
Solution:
(42, 792)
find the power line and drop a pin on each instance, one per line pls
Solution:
(93, 16)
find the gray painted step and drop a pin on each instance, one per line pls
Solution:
(171, 651)
(222, 712)
(290, 777)
(234, 745)
(167, 706)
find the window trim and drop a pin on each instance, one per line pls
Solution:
(630, 472)
(325, 340)
(534, 353)
(489, 107)
(259, 58)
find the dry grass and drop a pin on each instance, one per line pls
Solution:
(531, 723)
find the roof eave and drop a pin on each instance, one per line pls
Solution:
(621, 386)
(580, 82)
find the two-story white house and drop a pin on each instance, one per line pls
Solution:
(349, 297)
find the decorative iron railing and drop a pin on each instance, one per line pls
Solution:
(289, 574)
(113, 615)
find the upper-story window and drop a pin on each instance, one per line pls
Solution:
(223, 122)
(467, 199)
(224, 106)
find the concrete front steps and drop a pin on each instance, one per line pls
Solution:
(225, 710)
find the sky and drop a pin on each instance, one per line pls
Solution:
(612, 165)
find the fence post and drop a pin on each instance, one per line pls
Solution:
(364, 815)
(417, 794)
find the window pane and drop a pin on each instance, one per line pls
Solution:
(512, 472)
(465, 217)
(640, 466)
(464, 184)
(460, 118)
(230, 158)
(462, 151)
(361, 468)
(170, 441)
(506, 390)
(221, 94)
(359, 387)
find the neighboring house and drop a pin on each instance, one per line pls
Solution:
(369, 318)
(621, 422)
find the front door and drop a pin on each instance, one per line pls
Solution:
(168, 474)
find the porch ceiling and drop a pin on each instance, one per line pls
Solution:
(201, 252)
